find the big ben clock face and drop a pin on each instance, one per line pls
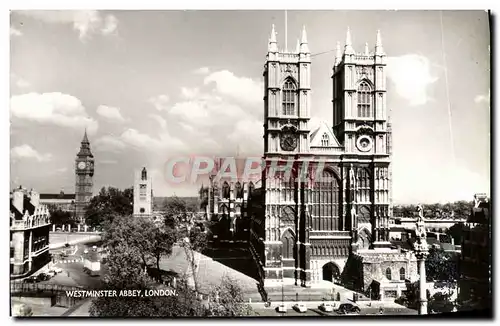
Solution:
(81, 165)
(288, 142)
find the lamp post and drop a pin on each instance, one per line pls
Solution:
(421, 252)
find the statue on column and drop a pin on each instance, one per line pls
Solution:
(420, 233)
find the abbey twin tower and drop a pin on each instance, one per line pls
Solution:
(304, 230)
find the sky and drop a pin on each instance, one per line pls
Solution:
(150, 86)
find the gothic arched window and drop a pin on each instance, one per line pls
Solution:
(239, 190)
(325, 140)
(325, 210)
(289, 97)
(388, 274)
(144, 175)
(363, 183)
(402, 274)
(287, 241)
(364, 100)
(225, 190)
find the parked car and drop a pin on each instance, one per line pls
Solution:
(31, 279)
(300, 307)
(42, 277)
(58, 270)
(51, 273)
(326, 307)
(282, 307)
(348, 308)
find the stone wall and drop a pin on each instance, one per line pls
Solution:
(375, 264)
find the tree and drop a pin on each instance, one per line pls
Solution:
(110, 202)
(193, 245)
(163, 240)
(226, 300)
(442, 268)
(60, 217)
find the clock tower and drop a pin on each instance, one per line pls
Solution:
(84, 171)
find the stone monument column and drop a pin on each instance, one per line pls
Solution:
(421, 252)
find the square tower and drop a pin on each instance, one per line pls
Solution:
(287, 88)
(143, 193)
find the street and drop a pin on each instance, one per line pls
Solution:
(73, 273)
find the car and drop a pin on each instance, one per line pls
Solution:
(58, 270)
(51, 273)
(326, 307)
(300, 307)
(31, 279)
(42, 277)
(348, 308)
(282, 307)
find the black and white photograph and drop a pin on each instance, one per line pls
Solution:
(305, 164)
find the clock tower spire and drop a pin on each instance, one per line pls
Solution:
(84, 172)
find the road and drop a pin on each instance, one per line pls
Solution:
(73, 274)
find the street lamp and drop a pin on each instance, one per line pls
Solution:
(421, 252)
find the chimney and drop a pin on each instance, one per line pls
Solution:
(34, 198)
(18, 199)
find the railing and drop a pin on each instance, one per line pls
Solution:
(20, 287)
(23, 225)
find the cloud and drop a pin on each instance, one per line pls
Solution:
(146, 142)
(202, 71)
(109, 143)
(85, 22)
(52, 108)
(18, 81)
(189, 93)
(108, 162)
(111, 113)
(482, 98)
(239, 88)
(62, 170)
(223, 109)
(160, 102)
(411, 75)
(26, 151)
(160, 120)
(15, 32)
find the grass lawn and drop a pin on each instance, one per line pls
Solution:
(210, 272)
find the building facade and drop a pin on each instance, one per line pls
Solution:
(475, 285)
(29, 233)
(224, 201)
(143, 194)
(60, 201)
(325, 193)
(84, 172)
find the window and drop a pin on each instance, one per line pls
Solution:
(225, 190)
(325, 205)
(364, 100)
(388, 274)
(289, 97)
(402, 274)
(325, 140)
(142, 210)
(142, 192)
(144, 174)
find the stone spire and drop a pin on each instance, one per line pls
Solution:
(273, 44)
(348, 43)
(367, 51)
(297, 48)
(304, 48)
(379, 49)
(85, 146)
(85, 139)
(338, 54)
